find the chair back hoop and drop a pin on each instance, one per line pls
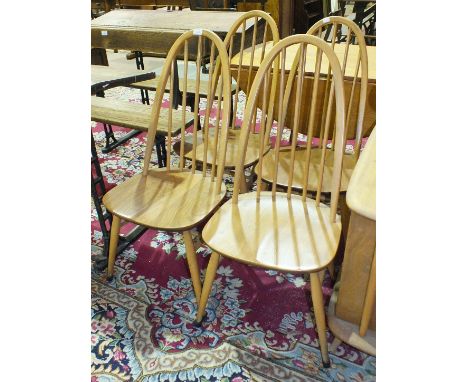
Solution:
(262, 77)
(354, 32)
(241, 22)
(223, 103)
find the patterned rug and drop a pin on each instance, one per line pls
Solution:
(259, 324)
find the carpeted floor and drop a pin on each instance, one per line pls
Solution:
(259, 327)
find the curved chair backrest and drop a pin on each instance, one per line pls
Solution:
(341, 42)
(354, 69)
(264, 33)
(321, 51)
(222, 83)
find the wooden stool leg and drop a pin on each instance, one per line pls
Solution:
(114, 242)
(207, 284)
(193, 264)
(368, 302)
(319, 311)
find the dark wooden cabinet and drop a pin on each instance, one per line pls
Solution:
(306, 14)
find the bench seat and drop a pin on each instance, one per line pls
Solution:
(135, 115)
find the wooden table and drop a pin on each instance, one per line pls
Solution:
(370, 115)
(103, 79)
(155, 31)
(352, 308)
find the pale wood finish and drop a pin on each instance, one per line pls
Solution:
(104, 77)
(356, 298)
(347, 331)
(369, 115)
(298, 182)
(286, 235)
(135, 115)
(356, 268)
(175, 199)
(352, 56)
(276, 230)
(152, 31)
(207, 284)
(169, 201)
(317, 302)
(101, 73)
(193, 264)
(356, 102)
(362, 186)
(191, 86)
(291, 52)
(114, 242)
(240, 27)
(251, 156)
(369, 301)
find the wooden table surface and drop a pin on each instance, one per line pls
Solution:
(154, 31)
(370, 113)
(310, 59)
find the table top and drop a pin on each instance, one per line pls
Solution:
(310, 62)
(217, 21)
(105, 77)
(156, 31)
(361, 189)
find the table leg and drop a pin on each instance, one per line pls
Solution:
(99, 57)
(98, 189)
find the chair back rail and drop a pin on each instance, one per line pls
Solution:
(219, 146)
(333, 26)
(353, 33)
(334, 100)
(264, 30)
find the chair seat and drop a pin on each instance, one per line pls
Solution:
(172, 201)
(287, 235)
(251, 156)
(349, 162)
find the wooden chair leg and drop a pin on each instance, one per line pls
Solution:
(114, 243)
(321, 276)
(207, 284)
(243, 184)
(263, 185)
(369, 301)
(319, 311)
(193, 265)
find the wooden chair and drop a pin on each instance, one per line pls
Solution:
(281, 230)
(264, 28)
(174, 199)
(355, 98)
